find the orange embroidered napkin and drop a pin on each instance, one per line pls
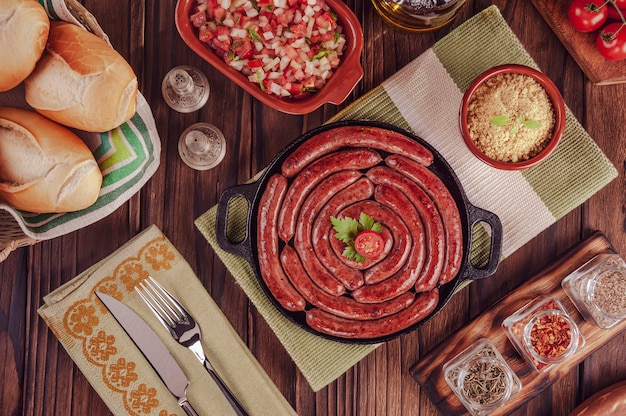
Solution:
(116, 368)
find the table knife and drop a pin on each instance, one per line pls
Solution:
(152, 348)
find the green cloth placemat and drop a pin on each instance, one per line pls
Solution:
(425, 97)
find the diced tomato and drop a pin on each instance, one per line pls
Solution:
(205, 34)
(242, 48)
(285, 18)
(322, 37)
(299, 29)
(255, 64)
(240, 19)
(334, 60)
(309, 82)
(326, 21)
(198, 19)
(267, 85)
(222, 32)
(219, 13)
(291, 52)
(221, 44)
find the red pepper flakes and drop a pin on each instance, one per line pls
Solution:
(551, 336)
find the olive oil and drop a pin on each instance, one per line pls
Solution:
(418, 15)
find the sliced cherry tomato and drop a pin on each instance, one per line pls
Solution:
(611, 41)
(369, 244)
(587, 15)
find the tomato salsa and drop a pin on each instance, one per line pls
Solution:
(288, 47)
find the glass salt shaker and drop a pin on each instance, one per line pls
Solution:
(185, 89)
(202, 146)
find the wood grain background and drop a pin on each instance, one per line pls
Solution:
(40, 379)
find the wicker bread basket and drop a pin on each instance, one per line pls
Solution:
(11, 235)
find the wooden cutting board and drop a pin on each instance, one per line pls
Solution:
(582, 46)
(428, 372)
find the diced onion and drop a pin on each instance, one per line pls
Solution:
(271, 64)
(238, 33)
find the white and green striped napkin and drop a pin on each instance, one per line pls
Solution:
(128, 156)
(425, 97)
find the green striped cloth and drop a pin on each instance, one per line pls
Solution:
(425, 97)
(128, 156)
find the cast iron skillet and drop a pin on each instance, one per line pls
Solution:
(470, 215)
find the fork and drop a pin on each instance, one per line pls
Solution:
(183, 328)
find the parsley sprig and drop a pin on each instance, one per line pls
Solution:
(348, 228)
(517, 123)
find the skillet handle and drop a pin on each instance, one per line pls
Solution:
(242, 248)
(495, 250)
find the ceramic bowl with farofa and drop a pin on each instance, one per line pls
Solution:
(512, 117)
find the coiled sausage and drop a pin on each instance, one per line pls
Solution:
(267, 240)
(356, 136)
(324, 322)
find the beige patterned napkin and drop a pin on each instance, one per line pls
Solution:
(425, 97)
(116, 368)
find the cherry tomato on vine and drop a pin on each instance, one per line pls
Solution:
(369, 243)
(611, 41)
(614, 15)
(587, 15)
(620, 3)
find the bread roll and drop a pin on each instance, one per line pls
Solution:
(24, 29)
(607, 402)
(44, 167)
(82, 82)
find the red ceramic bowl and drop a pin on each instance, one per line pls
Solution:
(335, 91)
(557, 103)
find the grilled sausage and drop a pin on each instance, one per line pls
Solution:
(333, 284)
(312, 175)
(267, 240)
(402, 240)
(343, 306)
(433, 226)
(446, 205)
(361, 189)
(354, 136)
(324, 322)
(405, 278)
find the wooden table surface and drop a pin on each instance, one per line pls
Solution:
(38, 376)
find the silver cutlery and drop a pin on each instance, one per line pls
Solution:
(152, 348)
(183, 328)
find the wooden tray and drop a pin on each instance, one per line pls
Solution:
(428, 372)
(582, 46)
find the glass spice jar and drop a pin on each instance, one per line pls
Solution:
(481, 378)
(543, 333)
(597, 290)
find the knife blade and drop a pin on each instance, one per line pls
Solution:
(152, 348)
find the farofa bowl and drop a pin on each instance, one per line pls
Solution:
(512, 117)
(335, 90)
